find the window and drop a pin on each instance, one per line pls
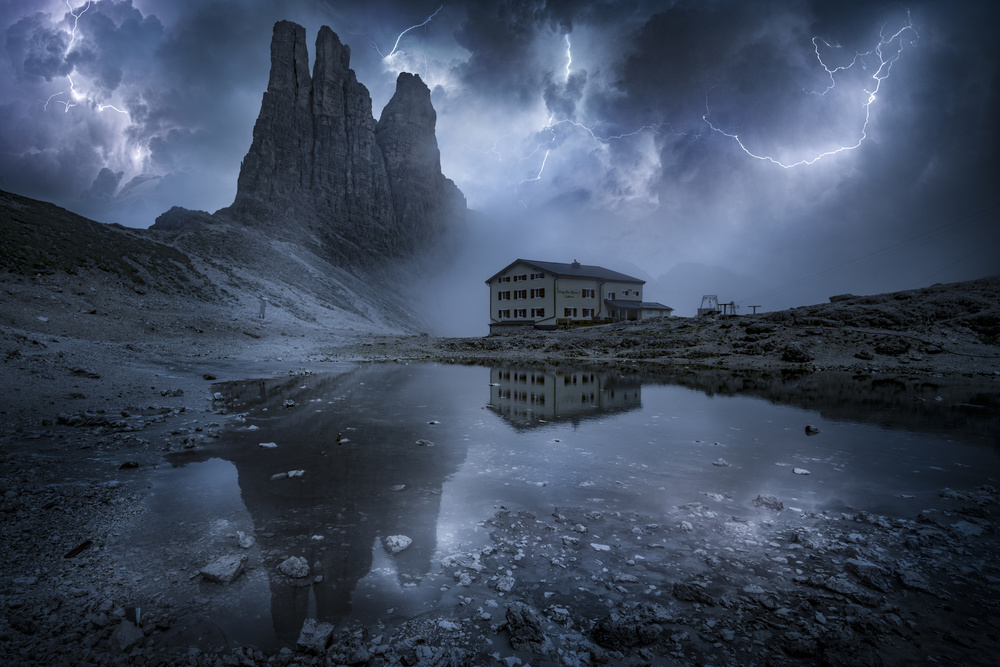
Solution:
(588, 312)
(611, 296)
(503, 314)
(503, 296)
(588, 293)
(520, 294)
(537, 276)
(569, 312)
(538, 312)
(504, 279)
(521, 312)
(523, 276)
(538, 293)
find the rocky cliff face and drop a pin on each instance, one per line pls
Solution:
(321, 169)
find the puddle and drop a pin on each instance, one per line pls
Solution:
(433, 452)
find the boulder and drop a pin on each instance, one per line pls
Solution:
(396, 543)
(797, 354)
(314, 637)
(524, 627)
(631, 625)
(295, 567)
(225, 569)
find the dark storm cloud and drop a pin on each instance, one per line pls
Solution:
(578, 125)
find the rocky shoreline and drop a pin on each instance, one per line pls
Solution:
(90, 418)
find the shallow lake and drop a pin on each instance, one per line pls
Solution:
(432, 452)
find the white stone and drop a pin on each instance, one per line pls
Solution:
(396, 543)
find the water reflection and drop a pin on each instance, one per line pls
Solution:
(431, 452)
(365, 478)
(528, 397)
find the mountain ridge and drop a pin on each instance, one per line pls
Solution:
(322, 171)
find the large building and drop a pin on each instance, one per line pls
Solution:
(551, 294)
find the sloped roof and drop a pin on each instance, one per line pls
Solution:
(647, 305)
(573, 270)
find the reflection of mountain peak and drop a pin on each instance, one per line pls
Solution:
(531, 397)
(349, 492)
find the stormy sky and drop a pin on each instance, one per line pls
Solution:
(775, 153)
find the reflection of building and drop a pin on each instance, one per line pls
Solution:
(527, 397)
(549, 294)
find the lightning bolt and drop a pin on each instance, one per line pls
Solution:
(550, 127)
(72, 91)
(569, 56)
(76, 22)
(412, 27)
(886, 57)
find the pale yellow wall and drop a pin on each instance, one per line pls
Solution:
(527, 285)
(560, 293)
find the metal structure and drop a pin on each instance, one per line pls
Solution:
(709, 305)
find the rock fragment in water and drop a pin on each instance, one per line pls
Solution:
(504, 583)
(295, 567)
(314, 637)
(629, 626)
(396, 543)
(811, 430)
(600, 547)
(768, 501)
(225, 569)
(424, 443)
(524, 627)
(720, 462)
(800, 471)
(245, 541)
(267, 445)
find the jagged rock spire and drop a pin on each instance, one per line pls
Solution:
(320, 168)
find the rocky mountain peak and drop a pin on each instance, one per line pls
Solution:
(321, 169)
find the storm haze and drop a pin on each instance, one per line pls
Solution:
(774, 153)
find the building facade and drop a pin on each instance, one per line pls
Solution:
(547, 295)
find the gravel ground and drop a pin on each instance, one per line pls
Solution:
(99, 382)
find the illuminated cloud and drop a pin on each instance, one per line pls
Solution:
(596, 129)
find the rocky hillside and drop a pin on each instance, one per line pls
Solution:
(215, 273)
(322, 172)
(949, 329)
